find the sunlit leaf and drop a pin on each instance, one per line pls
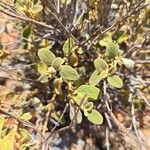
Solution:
(42, 68)
(26, 116)
(37, 9)
(43, 79)
(68, 73)
(92, 91)
(95, 78)
(115, 81)
(67, 2)
(46, 55)
(128, 63)
(100, 64)
(57, 63)
(68, 45)
(95, 117)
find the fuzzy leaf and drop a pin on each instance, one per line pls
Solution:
(112, 50)
(115, 81)
(57, 63)
(95, 78)
(100, 64)
(69, 73)
(95, 117)
(68, 45)
(43, 78)
(92, 91)
(128, 63)
(42, 68)
(46, 56)
(37, 9)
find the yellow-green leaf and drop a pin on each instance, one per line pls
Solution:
(42, 68)
(26, 116)
(68, 45)
(57, 63)
(46, 56)
(95, 78)
(100, 64)
(95, 117)
(115, 81)
(92, 91)
(43, 78)
(69, 73)
(37, 9)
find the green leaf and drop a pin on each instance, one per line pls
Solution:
(73, 113)
(46, 56)
(122, 37)
(43, 78)
(68, 45)
(2, 120)
(37, 9)
(69, 73)
(100, 64)
(95, 78)
(42, 68)
(95, 117)
(105, 40)
(115, 81)
(57, 63)
(112, 50)
(26, 116)
(92, 91)
(27, 31)
(81, 98)
(67, 2)
(128, 63)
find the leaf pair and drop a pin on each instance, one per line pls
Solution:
(100, 73)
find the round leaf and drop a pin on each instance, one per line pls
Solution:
(100, 64)
(115, 81)
(69, 73)
(92, 91)
(57, 63)
(95, 78)
(46, 56)
(42, 68)
(95, 117)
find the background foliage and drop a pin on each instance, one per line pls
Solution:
(77, 64)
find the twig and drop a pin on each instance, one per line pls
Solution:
(143, 97)
(25, 123)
